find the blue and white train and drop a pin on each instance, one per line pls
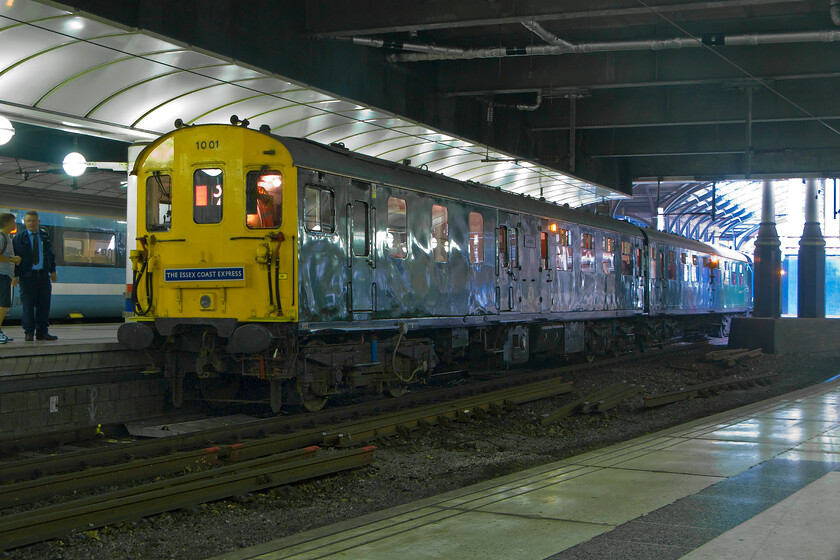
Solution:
(88, 235)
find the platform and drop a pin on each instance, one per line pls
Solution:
(83, 347)
(785, 335)
(761, 481)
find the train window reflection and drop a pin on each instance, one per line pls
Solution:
(513, 246)
(587, 253)
(672, 265)
(361, 242)
(563, 250)
(476, 238)
(263, 198)
(88, 247)
(158, 202)
(544, 250)
(608, 257)
(440, 233)
(207, 196)
(503, 246)
(397, 234)
(626, 258)
(319, 209)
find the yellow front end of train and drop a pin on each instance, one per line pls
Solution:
(216, 227)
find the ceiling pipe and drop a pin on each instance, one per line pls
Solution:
(421, 52)
(521, 106)
(548, 36)
(835, 12)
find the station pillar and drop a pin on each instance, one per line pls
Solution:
(768, 259)
(811, 285)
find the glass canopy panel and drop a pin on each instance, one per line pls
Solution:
(308, 125)
(371, 142)
(386, 148)
(185, 106)
(346, 132)
(21, 42)
(30, 80)
(132, 104)
(81, 93)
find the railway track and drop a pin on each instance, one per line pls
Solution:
(241, 451)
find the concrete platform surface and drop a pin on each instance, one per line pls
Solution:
(761, 481)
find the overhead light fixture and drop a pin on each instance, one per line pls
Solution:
(6, 130)
(74, 164)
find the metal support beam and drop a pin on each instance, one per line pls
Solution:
(748, 149)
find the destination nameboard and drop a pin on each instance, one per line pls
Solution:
(231, 273)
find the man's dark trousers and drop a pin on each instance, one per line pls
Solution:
(35, 294)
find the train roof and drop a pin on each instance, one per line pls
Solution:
(336, 159)
(339, 160)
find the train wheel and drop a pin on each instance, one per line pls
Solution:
(314, 404)
(396, 388)
(218, 391)
(644, 343)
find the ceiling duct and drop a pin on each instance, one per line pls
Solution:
(421, 52)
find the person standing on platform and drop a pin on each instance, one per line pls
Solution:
(36, 272)
(8, 260)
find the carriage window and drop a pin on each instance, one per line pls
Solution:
(397, 234)
(361, 242)
(476, 238)
(513, 245)
(672, 265)
(503, 246)
(440, 233)
(639, 262)
(609, 255)
(544, 250)
(263, 198)
(87, 247)
(320, 211)
(653, 267)
(626, 258)
(158, 202)
(207, 196)
(587, 253)
(563, 248)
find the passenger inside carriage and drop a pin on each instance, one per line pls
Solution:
(264, 195)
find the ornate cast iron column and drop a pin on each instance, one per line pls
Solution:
(811, 285)
(768, 259)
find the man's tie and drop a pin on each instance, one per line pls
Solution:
(36, 257)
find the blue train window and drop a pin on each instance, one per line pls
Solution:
(476, 238)
(397, 232)
(513, 246)
(263, 198)
(320, 210)
(158, 202)
(89, 248)
(440, 233)
(672, 265)
(207, 196)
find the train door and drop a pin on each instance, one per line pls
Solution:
(657, 277)
(507, 262)
(529, 265)
(546, 269)
(359, 242)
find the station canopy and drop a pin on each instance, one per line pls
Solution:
(88, 76)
